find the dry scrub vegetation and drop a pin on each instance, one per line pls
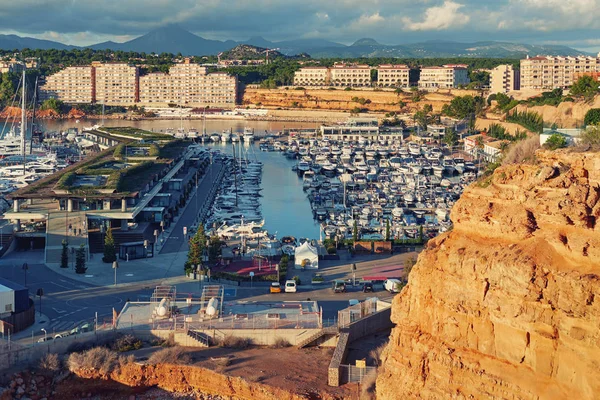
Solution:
(522, 151)
(170, 355)
(100, 359)
(50, 362)
(234, 342)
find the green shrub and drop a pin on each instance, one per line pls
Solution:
(527, 119)
(556, 141)
(331, 250)
(592, 117)
(127, 343)
(296, 278)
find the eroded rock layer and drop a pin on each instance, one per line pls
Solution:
(505, 305)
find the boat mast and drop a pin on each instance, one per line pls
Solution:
(23, 122)
(33, 115)
(234, 173)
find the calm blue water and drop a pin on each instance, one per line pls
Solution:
(285, 208)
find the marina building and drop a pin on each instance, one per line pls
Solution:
(393, 76)
(350, 75)
(71, 85)
(549, 72)
(312, 76)
(116, 84)
(119, 84)
(504, 79)
(444, 77)
(353, 129)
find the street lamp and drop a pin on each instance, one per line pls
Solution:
(45, 334)
(25, 268)
(115, 265)
(146, 247)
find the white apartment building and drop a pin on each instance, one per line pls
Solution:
(116, 84)
(188, 84)
(549, 72)
(444, 77)
(11, 65)
(312, 76)
(504, 79)
(71, 85)
(393, 76)
(350, 75)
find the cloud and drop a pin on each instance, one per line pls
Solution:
(439, 18)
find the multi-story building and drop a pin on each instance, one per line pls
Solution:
(312, 76)
(11, 65)
(393, 76)
(350, 75)
(504, 79)
(119, 84)
(549, 72)
(71, 85)
(116, 84)
(444, 77)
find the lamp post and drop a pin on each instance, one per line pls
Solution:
(45, 334)
(40, 293)
(25, 268)
(146, 247)
(115, 265)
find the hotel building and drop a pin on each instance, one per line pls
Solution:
(393, 76)
(504, 79)
(350, 75)
(444, 77)
(312, 76)
(72, 85)
(116, 84)
(549, 72)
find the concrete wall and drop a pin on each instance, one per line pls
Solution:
(30, 356)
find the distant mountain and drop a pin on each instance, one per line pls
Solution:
(12, 42)
(438, 48)
(174, 39)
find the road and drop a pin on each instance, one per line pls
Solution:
(176, 241)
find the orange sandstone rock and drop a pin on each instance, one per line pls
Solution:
(505, 306)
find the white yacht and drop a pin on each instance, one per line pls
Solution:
(248, 135)
(225, 136)
(235, 137)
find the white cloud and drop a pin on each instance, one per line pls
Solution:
(439, 18)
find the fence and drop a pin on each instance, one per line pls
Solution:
(352, 373)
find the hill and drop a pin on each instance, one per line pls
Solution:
(248, 52)
(14, 42)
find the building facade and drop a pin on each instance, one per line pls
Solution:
(312, 76)
(116, 84)
(11, 65)
(73, 85)
(393, 76)
(549, 72)
(350, 75)
(119, 84)
(504, 79)
(444, 77)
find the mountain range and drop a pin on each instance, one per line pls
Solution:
(174, 39)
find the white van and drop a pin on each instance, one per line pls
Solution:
(290, 286)
(392, 285)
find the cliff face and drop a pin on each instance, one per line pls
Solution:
(505, 306)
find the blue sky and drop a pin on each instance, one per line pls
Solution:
(573, 23)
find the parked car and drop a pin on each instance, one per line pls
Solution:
(392, 285)
(81, 329)
(368, 287)
(290, 286)
(338, 286)
(275, 287)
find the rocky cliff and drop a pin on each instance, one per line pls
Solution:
(505, 306)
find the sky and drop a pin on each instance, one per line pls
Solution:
(573, 23)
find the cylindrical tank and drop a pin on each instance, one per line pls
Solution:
(213, 307)
(162, 308)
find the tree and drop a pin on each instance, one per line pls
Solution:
(197, 245)
(464, 106)
(387, 230)
(556, 141)
(355, 232)
(450, 137)
(592, 117)
(214, 249)
(80, 267)
(586, 86)
(64, 255)
(110, 253)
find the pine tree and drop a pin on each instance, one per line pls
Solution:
(80, 267)
(197, 245)
(387, 230)
(355, 232)
(110, 254)
(64, 255)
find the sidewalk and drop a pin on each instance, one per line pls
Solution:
(41, 321)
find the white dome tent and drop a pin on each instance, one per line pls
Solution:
(308, 255)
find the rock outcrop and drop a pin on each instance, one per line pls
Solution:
(505, 306)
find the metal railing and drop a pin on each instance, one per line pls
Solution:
(352, 373)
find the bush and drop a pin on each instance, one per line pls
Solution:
(590, 138)
(527, 119)
(297, 280)
(170, 355)
(100, 359)
(281, 343)
(555, 141)
(368, 386)
(522, 152)
(592, 117)
(331, 250)
(50, 363)
(127, 343)
(124, 360)
(234, 342)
